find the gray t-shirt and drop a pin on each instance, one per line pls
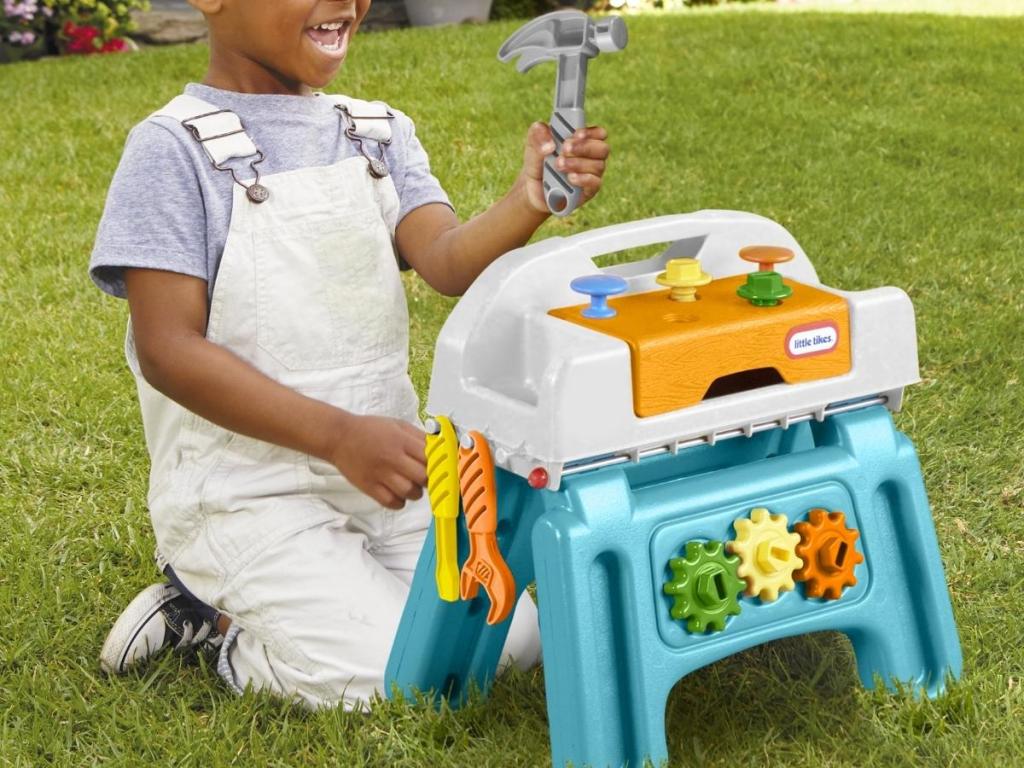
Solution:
(168, 208)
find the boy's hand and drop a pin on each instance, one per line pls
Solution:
(583, 158)
(384, 458)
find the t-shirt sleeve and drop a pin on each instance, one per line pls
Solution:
(418, 186)
(154, 215)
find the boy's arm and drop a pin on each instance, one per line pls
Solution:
(382, 457)
(449, 255)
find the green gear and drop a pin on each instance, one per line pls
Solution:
(705, 586)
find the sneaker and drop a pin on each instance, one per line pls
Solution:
(159, 617)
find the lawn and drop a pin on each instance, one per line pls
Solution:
(891, 146)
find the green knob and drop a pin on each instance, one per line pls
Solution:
(764, 289)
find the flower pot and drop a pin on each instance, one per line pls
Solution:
(432, 13)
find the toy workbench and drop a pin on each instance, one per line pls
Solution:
(691, 455)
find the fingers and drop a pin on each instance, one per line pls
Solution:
(414, 441)
(538, 138)
(539, 145)
(583, 157)
(591, 132)
(580, 165)
(403, 487)
(395, 491)
(413, 470)
(384, 496)
(410, 475)
(596, 149)
(589, 183)
(398, 474)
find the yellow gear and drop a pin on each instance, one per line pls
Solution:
(767, 552)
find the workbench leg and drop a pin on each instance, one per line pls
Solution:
(907, 633)
(601, 710)
(909, 636)
(443, 649)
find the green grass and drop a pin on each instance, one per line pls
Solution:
(954, 7)
(891, 146)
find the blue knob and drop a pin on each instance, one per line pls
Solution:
(599, 288)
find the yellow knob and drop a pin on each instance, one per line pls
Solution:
(684, 277)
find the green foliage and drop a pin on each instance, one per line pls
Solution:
(890, 146)
(22, 25)
(34, 27)
(661, 5)
(521, 9)
(111, 17)
(524, 9)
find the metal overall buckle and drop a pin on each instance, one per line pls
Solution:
(256, 192)
(375, 165)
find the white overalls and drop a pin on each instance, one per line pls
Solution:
(313, 573)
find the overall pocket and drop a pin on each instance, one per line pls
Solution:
(328, 293)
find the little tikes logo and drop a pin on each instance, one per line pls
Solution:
(812, 339)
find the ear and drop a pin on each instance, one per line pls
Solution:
(206, 7)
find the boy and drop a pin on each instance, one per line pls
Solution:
(252, 225)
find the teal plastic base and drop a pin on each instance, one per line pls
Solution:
(599, 551)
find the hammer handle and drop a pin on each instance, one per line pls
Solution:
(561, 196)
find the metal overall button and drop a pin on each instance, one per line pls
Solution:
(257, 193)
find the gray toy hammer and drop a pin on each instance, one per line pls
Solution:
(572, 38)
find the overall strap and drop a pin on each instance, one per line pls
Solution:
(219, 131)
(366, 119)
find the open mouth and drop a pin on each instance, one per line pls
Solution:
(331, 37)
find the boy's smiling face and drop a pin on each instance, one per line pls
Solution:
(278, 46)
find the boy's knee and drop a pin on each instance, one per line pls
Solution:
(319, 670)
(522, 646)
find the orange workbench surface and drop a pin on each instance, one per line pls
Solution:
(683, 352)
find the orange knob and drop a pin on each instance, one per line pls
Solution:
(766, 256)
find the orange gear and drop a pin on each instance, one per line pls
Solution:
(829, 551)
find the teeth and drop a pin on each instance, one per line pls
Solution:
(333, 26)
